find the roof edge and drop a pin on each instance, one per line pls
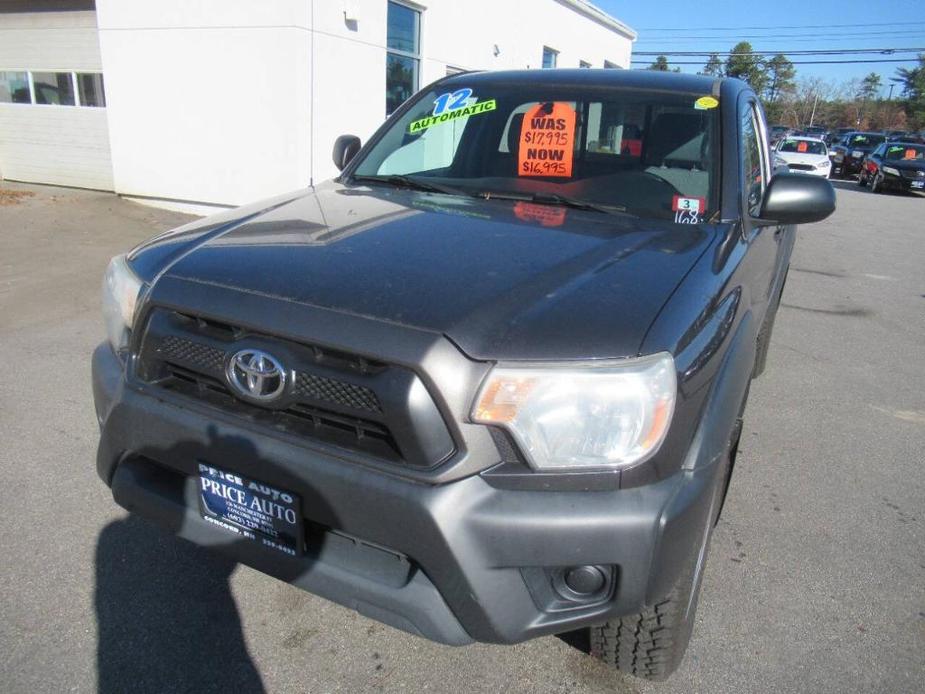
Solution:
(597, 14)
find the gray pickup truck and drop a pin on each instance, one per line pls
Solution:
(488, 384)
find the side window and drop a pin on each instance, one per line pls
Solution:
(753, 166)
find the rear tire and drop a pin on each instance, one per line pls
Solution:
(652, 643)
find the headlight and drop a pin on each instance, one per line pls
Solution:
(564, 416)
(824, 164)
(120, 293)
(890, 170)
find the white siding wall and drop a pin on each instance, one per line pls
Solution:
(63, 145)
(209, 101)
(60, 145)
(49, 41)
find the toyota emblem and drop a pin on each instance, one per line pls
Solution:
(256, 375)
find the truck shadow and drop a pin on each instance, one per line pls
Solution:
(167, 620)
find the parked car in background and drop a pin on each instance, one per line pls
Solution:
(898, 166)
(804, 155)
(488, 384)
(832, 137)
(848, 155)
(776, 132)
(813, 131)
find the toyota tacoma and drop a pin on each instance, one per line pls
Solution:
(486, 385)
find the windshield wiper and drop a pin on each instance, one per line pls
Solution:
(553, 199)
(402, 181)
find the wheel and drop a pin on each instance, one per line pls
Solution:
(652, 643)
(876, 185)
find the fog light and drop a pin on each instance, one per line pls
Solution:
(585, 580)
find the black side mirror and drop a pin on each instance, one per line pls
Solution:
(345, 149)
(793, 198)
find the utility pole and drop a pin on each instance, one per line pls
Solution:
(813, 114)
(890, 97)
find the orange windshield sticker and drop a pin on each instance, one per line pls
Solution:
(909, 154)
(802, 147)
(544, 215)
(547, 140)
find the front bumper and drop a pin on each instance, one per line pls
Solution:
(904, 183)
(453, 562)
(849, 166)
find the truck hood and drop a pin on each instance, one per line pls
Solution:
(503, 280)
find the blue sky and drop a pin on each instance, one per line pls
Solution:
(674, 24)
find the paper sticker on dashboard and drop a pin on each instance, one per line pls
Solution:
(547, 141)
(450, 106)
(687, 210)
(706, 102)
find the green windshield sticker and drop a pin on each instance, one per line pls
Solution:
(447, 116)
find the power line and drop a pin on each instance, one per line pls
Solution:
(817, 39)
(899, 32)
(793, 62)
(821, 51)
(785, 26)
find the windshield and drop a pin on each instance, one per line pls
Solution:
(865, 140)
(898, 152)
(648, 153)
(803, 147)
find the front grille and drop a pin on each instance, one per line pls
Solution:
(299, 419)
(337, 392)
(801, 167)
(211, 361)
(200, 357)
(335, 397)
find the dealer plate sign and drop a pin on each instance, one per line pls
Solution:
(251, 509)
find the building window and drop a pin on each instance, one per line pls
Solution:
(584, 63)
(90, 89)
(611, 66)
(14, 88)
(549, 57)
(403, 56)
(54, 88)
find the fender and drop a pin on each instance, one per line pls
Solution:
(705, 465)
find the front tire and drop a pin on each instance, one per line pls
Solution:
(876, 185)
(652, 643)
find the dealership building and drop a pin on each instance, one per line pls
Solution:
(221, 102)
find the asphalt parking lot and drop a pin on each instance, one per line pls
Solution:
(815, 582)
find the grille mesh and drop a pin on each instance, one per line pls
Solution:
(197, 355)
(211, 361)
(337, 392)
